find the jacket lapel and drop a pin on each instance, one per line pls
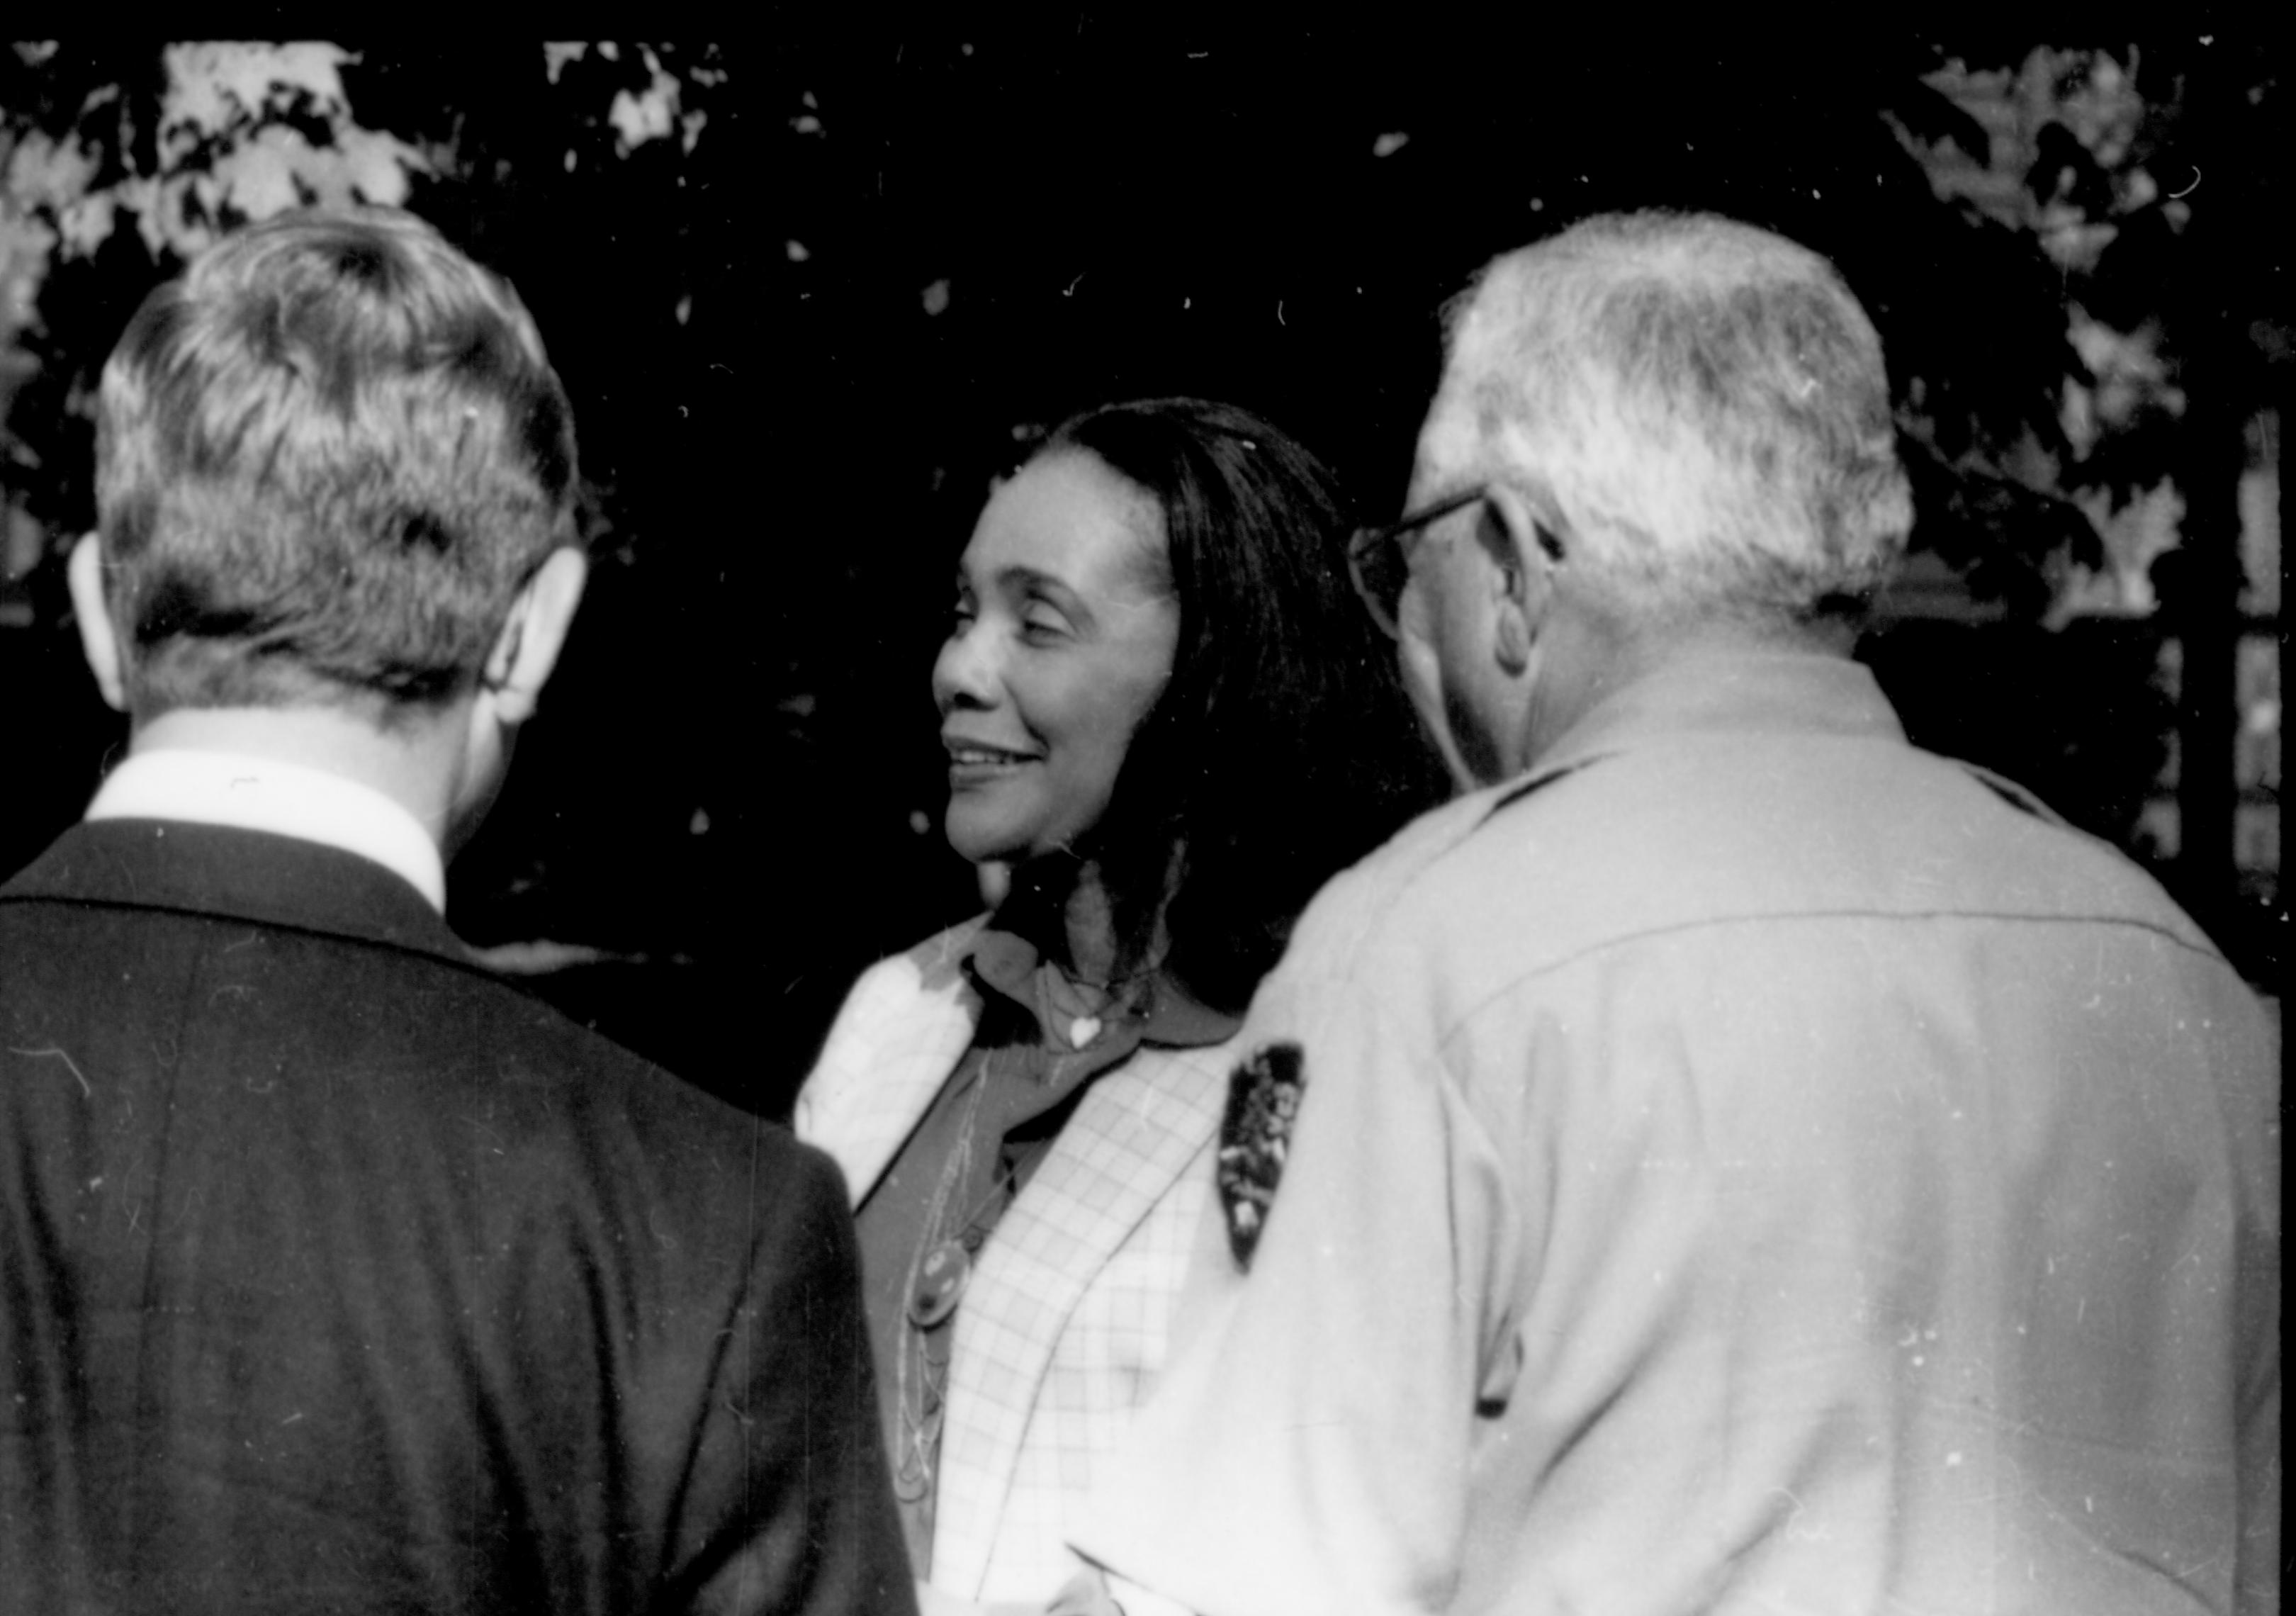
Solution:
(902, 1031)
(1134, 1135)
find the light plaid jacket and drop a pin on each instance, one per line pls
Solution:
(1066, 1324)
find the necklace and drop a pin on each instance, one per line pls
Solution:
(942, 1265)
(1081, 1009)
(942, 1268)
(938, 1274)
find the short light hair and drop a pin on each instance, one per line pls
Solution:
(328, 456)
(1706, 400)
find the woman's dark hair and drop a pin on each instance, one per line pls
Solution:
(1281, 749)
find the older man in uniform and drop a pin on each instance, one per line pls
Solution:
(1740, 1162)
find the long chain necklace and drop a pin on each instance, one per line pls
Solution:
(942, 1265)
(938, 1273)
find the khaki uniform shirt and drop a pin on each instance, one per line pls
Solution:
(1751, 1165)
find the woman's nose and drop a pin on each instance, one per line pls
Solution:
(965, 674)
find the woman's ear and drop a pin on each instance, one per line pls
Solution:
(99, 641)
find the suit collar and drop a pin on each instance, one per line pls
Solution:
(271, 794)
(225, 871)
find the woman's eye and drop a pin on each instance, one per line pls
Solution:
(1042, 623)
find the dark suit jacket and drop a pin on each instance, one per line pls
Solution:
(336, 1275)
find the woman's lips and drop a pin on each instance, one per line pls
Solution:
(973, 764)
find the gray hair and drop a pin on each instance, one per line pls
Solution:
(1707, 402)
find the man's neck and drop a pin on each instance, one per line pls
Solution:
(418, 768)
(1595, 655)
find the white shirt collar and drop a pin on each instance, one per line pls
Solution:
(284, 798)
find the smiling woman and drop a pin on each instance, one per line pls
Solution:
(1064, 634)
(1167, 718)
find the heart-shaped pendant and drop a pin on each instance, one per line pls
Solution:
(1083, 1031)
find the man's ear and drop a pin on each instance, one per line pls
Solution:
(99, 642)
(1510, 639)
(1520, 586)
(532, 635)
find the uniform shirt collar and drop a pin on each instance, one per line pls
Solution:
(1735, 691)
(1723, 693)
(283, 799)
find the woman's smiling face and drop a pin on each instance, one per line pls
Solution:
(1064, 637)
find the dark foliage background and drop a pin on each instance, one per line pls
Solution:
(801, 345)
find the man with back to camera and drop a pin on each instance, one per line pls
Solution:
(1740, 1162)
(334, 1274)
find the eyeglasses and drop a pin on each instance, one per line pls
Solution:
(1379, 561)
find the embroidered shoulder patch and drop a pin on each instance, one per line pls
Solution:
(1263, 1097)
